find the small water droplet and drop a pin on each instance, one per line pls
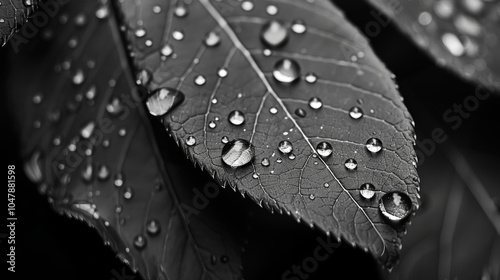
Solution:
(140, 242)
(143, 78)
(395, 206)
(286, 71)
(315, 103)
(351, 164)
(279, 160)
(37, 98)
(300, 112)
(222, 73)
(102, 172)
(247, 6)
(467, 25)
(91, 93)
(255, 176)
(356, 113)
(324, 149)
(298, 26)
(267, 52)
(118, 182)
(312, 197)
(225, 140)
(156, 9)
(115, 107)
(128, 193)
(153, 227)
(273, 110)
(236, 117)
(87, 172)
(122, 132)
(178, 35)
(265, 162)
(163, 100)
(78, 77)
(444, 9)
(271, 10)
(285, 147)
(167, 50)
(33, 167)
(374, 145)
(190, 141)
(212, 39)
(425, 18)
(274, 34)
(237, 153)
(118, 209)
(212, 124)
(200, 80)
(102, 12)
(311, 78)
(291, 156)
(140, 32)
(224, 259)
(87, 130)
(214, 100)
(181, 10)
(367, 191)
(326, 185)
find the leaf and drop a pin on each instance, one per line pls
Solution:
(13, 14)
(89, 144)
(348, 74)
(457, 231)
(462, 35)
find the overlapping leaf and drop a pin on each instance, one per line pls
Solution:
(13, 14)
(167, 41)
(462, 35)
(90, 146)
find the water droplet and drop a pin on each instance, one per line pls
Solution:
(200, 80)
(87, 172)
(324, 149)
(115, 107)
(255, 176)
(444, 9)
(56, 141)
(140, 242)
(425, 18)
(453, 44)
(87, 130)
(395, 206)
(286, 71)
(265, 162)
(212, 124)
(140, 32)
(274, 34)
(237, 153)
(102, 12)
(298, 26)
(167, 50)
(273, 110)
(267, 52)
(178, 35)
(311, 78)
(118, 209)
(122, 132)
(190, 141)
(351, 164)
(91, 93)
(285, 147)
(212, 39)
(78, 77)
(236, 117)
(474, 6)
(374, 145)
(356, 113)
(37, 98)
(225, 140)
(33, 167)
(300, 112)
(312, 197)
(163, 100)
(315, 103)
(128, 193)
(271, 10)
(367, 191)
(143, 78)
(291, 156)
(102, 172)
(279, 160)
(153, 227)
(181, 10)
(118, 180)
(247, 6)
(222, 72)
(467, 25)
(326, 185)
(214, 100)
(157, 9)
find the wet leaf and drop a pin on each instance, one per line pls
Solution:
(269, 89)
(462, 35)
(89, 145)
(13, 14)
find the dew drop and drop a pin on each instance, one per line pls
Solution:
(115, 107)
(214, 100)
(164, 100)
(326, 185)
(181, 10)
(212, 39)
(425, 18)
(140, 242)
(300, 112)
(237, 153)
(291, 156)
(265, 162)
(128, 193)
(200, 80)
(118, 182)
(350, 164)
(311, 78)
(312, 197)
(267, 52)
(315, 103)
(299, 27)
(78, 77)
(356, 113)
(274, 34)
(87, 130)
(157, 9)
(87, 172)
(212, 124)
(271, 10)
(118, 209)
(33, 167)
(255, 176)
(374, 145)
(190, 141)
(273, 110)
(143, 78)
(286, 71)
(236, 117)
(367, 191)
(178, 35)
(91, 93)
(285, 147)
(140, 32)
(395, 206)
(102, 12)
(153, 227)
(37, 99)
(122, 132)
(222, 73)
(324, 149)
(225, 140)
(467, 25)
(167, 50)
(453, 44)
(102, 172)
(279, 160)
(247, 6)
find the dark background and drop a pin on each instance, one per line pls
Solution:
(50, 246)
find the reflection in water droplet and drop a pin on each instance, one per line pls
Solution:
(200, 80)
(237, 153)
(356, 113)
(395, 206)
(128, 193)
(265, 162)
(324, 149)
(453, 44)
(367, 191)
(153, 227)
(315, 103)
(33, 167)
(140, 242)
(190, 141)
(374, 145)
(351, 164)
(311, 78)
(285, 147)
(236, 117)
(212, 39)
(163, 100)
(274, 34)
(299, 27)
(102, 172)
(286, 71)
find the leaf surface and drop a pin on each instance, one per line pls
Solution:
(169, 41)
(13, 14)
(89, 144)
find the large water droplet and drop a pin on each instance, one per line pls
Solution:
(274, 34)
(367, 191)
(374, 145)
(395, 206)
(190, 141)
(324, 149)
(236, 117)
(237, 153)
(163, 100)
(315, 103)
(33, 167)
(285, 147)
(356, 113)
(286, 71)
(140, 242)
(153, 227)
(212, 39)
(351, 164)
(298, 26)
